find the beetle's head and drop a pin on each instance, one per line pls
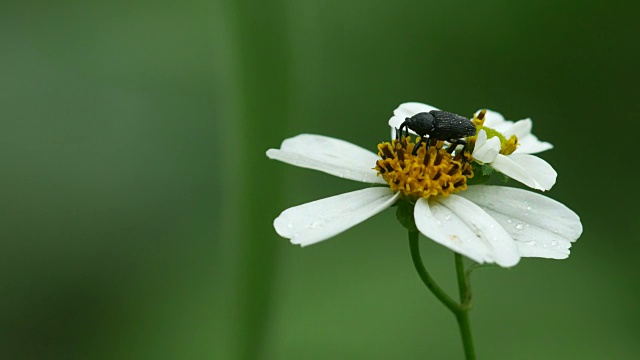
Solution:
(422, 123)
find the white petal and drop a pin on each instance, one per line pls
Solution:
(333, 156)
(319, 220)
(486, 150)
(528, 143)
(520, 128)
(404, 111)
(531, 145)
(411, 108)
(543, 173)
(465, 228)
(527, 169)
(541, 226)
(482, 138)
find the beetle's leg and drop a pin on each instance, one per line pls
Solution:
(432, 142)
(454, 145)
(464, 144)
(415, 148)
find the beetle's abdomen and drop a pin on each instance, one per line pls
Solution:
(451, 126)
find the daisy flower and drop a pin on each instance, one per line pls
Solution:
(488, 224)
(504, 145)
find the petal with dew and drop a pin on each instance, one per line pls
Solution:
(541, 227)
(465, 228)
(527, 169)
(486, 150)
(333, 156)
(319, 220)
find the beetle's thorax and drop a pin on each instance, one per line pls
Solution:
(421, 123)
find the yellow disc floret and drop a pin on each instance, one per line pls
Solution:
(429, 173)
(509, 146)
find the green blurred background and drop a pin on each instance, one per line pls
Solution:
(137, 201)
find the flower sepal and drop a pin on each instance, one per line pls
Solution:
(482, 174)
(404, 214)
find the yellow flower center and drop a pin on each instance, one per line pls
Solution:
(429, 173)
(507, 146)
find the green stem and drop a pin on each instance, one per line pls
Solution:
(461, 311)
(462, 315)
(445, 299)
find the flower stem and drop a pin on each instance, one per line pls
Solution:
(462, 315)
(461, 311)
(445, 299)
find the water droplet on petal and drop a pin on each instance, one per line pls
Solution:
(528, 208)
(290, 225)
(531, 243)
(509, 220)
(554, 243)
(448, 217)
(519, 226)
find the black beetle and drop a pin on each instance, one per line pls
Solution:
(439, 125)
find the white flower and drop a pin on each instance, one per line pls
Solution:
(489, 224)
(520, 165)
(525, 168)
(529, 143)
